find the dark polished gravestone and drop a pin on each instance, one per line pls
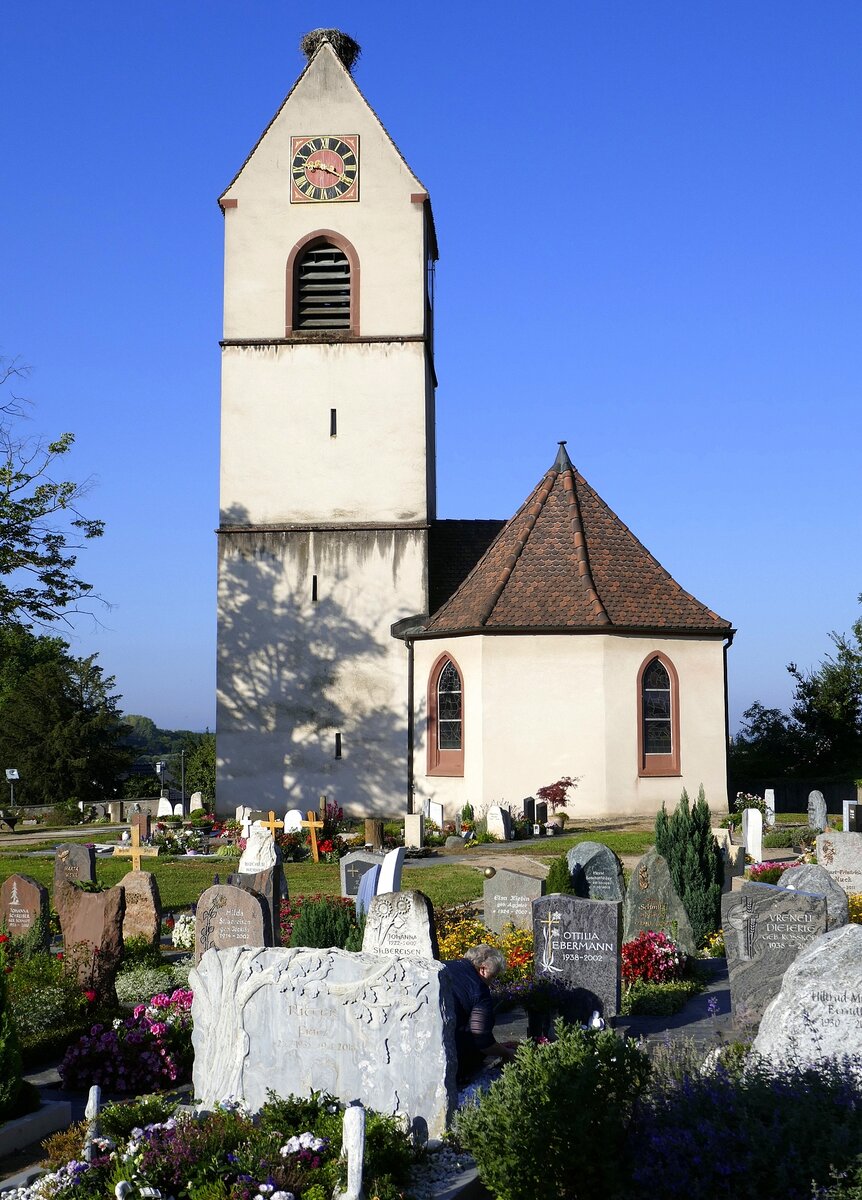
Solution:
(596, 872)
(808, 877)
(229, 916)
(577, 945)
(765, 928)
(401, 925)
(508, 899)
(353, 866)
(652, 903)
(23, 904)
(75, 864)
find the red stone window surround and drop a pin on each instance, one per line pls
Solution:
(650, 762)
(318, 237)
(446, 718)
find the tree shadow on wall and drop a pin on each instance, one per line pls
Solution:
(293, 673)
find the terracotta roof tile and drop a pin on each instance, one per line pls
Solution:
(566, 561)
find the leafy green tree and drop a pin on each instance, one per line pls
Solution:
(201, 766)
(63, 730)
(686, 841)
(41, 525)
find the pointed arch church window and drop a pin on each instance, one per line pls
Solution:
(445, 718)
(658, 717)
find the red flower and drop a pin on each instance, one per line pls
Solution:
(90, 995)
(325, 847)
(59, 955)
(4, 937)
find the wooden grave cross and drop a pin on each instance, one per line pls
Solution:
(272, 824)
(137, 851)
(313, 827)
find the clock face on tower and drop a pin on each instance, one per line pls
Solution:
(324, 167)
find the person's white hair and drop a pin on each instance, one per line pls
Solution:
(484, 955)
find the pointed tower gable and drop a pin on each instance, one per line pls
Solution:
(565, 561)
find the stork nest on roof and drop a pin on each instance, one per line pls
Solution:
(342, 43)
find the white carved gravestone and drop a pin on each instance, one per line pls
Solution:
(435, 813)
(769, 804)
(260, 871)
(816, 1014)
(165, 808)
(414, 830)
(401, 925)
(196, 802)
(178, 809)
(816, 811)
(752, 833)
(390, 872)
(325, 1020)
(293, 819)
(499, 823)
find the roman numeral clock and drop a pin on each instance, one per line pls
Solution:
(324, 167)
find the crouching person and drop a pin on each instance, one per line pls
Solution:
(474, 1009)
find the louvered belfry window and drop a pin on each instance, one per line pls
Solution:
(323, 288)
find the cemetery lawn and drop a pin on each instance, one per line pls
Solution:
(634, 841)
(181, 880)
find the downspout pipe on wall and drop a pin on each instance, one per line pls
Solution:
(405, 630)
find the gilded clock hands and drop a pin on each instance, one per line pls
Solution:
(322, 166)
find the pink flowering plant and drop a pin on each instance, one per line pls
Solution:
(652, 957)
(150, 1049)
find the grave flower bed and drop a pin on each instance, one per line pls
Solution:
(292, 1148)
(652, 957)
(150, 1049)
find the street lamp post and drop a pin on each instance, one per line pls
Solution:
(11, 776)
(183, 777)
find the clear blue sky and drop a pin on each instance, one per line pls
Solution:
(649, 225)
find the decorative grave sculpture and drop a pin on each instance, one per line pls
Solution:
(260, 871)
(390, 872)
(652, 903)
(401, 925)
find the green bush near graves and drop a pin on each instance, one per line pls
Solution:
(559, 878)
(324, 922)
(554, 1125)
(686, 841)
(644, 999)
(10, 1051)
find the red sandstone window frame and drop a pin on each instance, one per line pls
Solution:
(308, 243)
(654, 765)
(443, 762)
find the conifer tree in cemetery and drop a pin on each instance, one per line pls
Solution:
(560, 878)
(686, 841)
(10, 1051)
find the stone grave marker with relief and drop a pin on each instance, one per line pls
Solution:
(808, 877)
(296, 1020)
(576, 943)
(652, 903)
(508, 899)
(765, 927)
(143, 908)
(769, 805)
(401, 925)
(817, 1014)
(260, 871)
(353, 866)
(841, 855)
(600, 876)
(816, 811)
(499, 823)
(23, 903)
(75, 864)
(229, 916)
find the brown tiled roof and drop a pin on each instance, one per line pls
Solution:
(454, 548)
(566, 561)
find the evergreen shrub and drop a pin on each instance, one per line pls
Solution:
(554, 1125)
(324, 921)
(560, 878)
(686, 841)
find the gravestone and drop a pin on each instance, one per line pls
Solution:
(808, 877)
(454, 842)
(765, 927)
(508, 899)
(23, 903)
(75, 864)
(732, 857)
(601, 873)
(390, 872)
(529, 805)
(651, 902)
(165, 808)
(576, 943)
(817, 1014)
(143, 907)
(92, 927)
(353, 866)
(769, 805)
(816, 811)
(293, 821)
(841, 855)
(229, 916)
(414, 830)
(436, 813)
(367, 890)
(401, 925)
(115, 811)
(196, 802)
(260, 871)
(541, 812)
(499, 823)
(240, 813)
(752, 833)
(354, 1025)
(143, 822)
(848, 816)
(178, 809)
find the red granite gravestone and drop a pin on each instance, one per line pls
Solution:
(23, 902)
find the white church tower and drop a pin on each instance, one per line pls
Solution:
(327, 451)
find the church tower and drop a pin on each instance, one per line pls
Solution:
(327, 451)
